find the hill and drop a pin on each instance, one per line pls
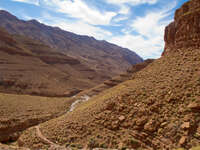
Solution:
(157, 109)
(101, 56)
(30, 67)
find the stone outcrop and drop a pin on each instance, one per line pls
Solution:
(184, 32)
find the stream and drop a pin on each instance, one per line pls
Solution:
(77, 102)
(53, 145)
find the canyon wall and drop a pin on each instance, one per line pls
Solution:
(184, 32)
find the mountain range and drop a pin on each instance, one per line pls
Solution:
(41, 60)
(105, 57)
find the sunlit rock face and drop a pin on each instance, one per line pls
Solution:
(184, 32)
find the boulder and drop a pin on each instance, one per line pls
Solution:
(185, 125)
(194, 106)
(183, 140)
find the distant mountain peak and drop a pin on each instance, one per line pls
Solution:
(101, 56)
(34, 21)
(4, 13)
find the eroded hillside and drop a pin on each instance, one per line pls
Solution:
(101, 56)
(159, 108)
(30, 67)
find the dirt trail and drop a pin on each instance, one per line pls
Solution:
(54, 146)
(43, 138)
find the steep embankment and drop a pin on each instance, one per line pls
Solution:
(157, 109)
(103, 57)
(30, 67)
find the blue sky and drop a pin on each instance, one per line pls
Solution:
(134, 24)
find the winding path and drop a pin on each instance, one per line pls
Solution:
(45, 140)
(54, 146)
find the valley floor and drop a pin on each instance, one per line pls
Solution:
(18, 112)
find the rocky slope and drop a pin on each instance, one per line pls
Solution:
(101, 56)
(30, 67)
(159, 108)
(19, 112)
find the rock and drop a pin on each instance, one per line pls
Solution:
(141, 121)
(163, 124)
(184, 31)
(160, 131)
(120, 145)
(169, 37)
(110, 105)
(182, 141)
(122, 118)
(185, 125)
(150, 126)
(20, 142)
(115, 125)
(188, 117)
(198, 132)
(194, 106)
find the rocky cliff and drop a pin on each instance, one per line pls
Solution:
(184, 31)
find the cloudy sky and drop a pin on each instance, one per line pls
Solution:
(134, 24)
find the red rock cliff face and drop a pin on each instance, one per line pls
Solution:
(184, 32)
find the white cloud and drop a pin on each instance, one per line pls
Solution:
(148, 42)
(132, 2)
(153, 24)
(84, 29)
(79, 9)
(146, 48)
(149, 25)
(35, 2)
(120, 18)
(124, 9)
(76, 9)
(77, 27)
